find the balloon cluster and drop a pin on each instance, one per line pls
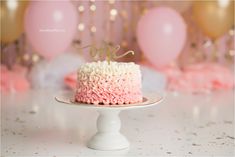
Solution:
(162, 31)
(51, 25)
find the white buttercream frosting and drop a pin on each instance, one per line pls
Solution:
(112, 68)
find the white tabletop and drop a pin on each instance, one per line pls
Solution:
(34, 124)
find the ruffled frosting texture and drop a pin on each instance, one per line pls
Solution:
(114, 83)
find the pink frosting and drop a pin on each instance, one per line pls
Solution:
(109, 89)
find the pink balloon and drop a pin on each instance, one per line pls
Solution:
(161, 35)
(50, 26)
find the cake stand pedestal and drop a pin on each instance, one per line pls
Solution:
(108, 136)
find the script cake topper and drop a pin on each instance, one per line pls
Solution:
(106, 50)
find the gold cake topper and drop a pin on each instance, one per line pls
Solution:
(108, 51)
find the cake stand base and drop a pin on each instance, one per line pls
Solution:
(108, 136)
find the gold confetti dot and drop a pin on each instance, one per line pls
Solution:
(113, 12)
(231, 52)
(111, 1)
(92, 7)
(35, 58)
(207, 43)
(81, 8)
(81, 26)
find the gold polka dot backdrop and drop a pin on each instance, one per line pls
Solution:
(115, 22)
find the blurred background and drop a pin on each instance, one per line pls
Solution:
(188, 46)
(185, 48)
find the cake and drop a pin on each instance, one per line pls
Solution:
(110, 83)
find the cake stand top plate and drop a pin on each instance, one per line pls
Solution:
(149, 99)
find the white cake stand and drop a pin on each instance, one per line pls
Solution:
(108, 136)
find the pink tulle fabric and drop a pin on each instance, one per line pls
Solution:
(71, 80)
(14, 80)
(197, 78)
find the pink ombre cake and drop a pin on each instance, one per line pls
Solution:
(109, 84)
